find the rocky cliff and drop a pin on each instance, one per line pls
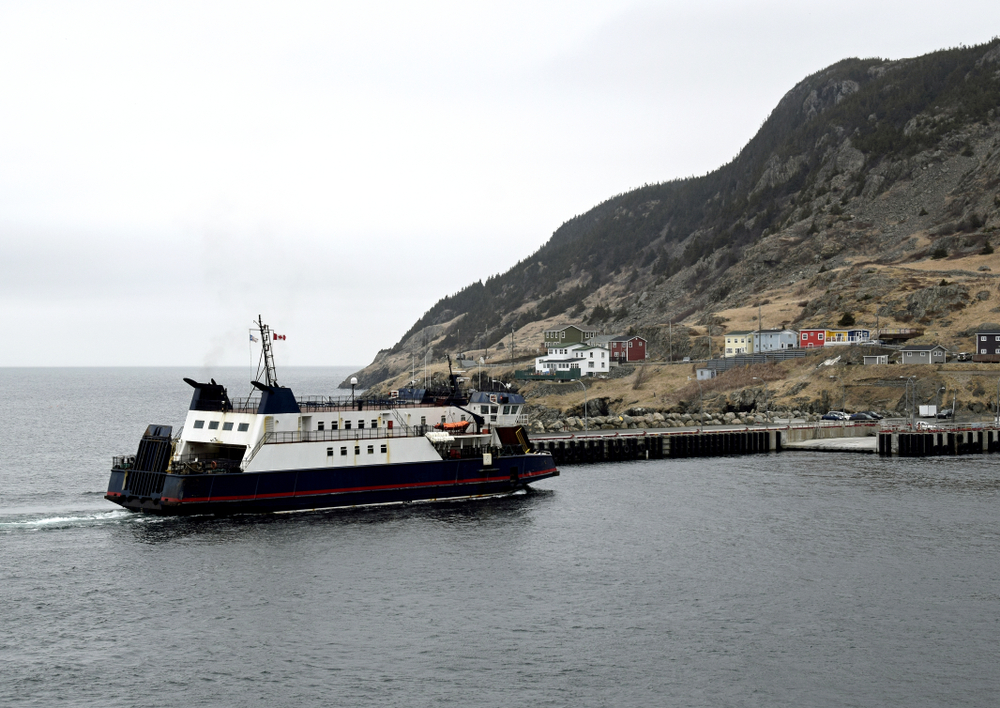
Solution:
(872, 189)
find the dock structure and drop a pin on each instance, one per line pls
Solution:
(905, 442)
(672, 443)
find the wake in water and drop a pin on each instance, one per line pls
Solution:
(41, 521)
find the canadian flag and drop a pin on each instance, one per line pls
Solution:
(278, 336)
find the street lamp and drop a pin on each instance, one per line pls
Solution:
(766, 395)
(586, 419)
(911, 386)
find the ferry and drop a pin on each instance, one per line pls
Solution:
(274, 452)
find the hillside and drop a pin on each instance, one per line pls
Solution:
(873, 188)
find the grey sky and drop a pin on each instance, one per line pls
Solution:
(170, 170)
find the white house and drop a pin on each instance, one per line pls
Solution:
(590, 360)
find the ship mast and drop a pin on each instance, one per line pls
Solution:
(267, 357)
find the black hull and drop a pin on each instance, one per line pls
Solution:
(298, 490)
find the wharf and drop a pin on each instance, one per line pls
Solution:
(583, 447)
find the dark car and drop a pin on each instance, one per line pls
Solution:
(835, 415)
(862, 416)
(946, 413)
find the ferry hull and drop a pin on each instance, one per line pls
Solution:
(295, 490)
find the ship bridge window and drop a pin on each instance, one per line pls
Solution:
(243, 427)
(319, 425)
(227, 426)
(213, 425)
(199, 424)
(506, 409)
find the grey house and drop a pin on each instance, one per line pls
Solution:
(771, 340)
(922, 354)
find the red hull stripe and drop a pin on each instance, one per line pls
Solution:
(348, 490)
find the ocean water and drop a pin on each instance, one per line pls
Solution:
(795, 579)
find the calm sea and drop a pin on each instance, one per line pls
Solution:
(797, 579)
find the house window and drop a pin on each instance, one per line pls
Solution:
(319, 425)
(982, 351)
(982, 339)
(199, 424)
(804, 336)
(243, 427)
(591, 365)
(227, 426)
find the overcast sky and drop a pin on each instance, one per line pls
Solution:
(168, 171)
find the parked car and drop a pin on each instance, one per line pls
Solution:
(964, 356)
(862, 416)
(946, 413)
(874, 415)
(836, 415)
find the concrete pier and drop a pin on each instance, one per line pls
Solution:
(867, 437)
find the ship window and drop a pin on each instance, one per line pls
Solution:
(506, 409)
(494, 409)
(329, 452)
(227, 426)
(243, 427)
(333, 425)
(374, 423)
(423, 420)
(199, 424)
(343, 451)
(371, 449)
(213, 425)
(384, 448)
(347, 425)
(357, 449)
(361, 424)
(319, 425)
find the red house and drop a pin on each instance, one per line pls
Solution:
(627, 348)
(812, 337)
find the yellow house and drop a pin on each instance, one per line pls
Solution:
(739, 343)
